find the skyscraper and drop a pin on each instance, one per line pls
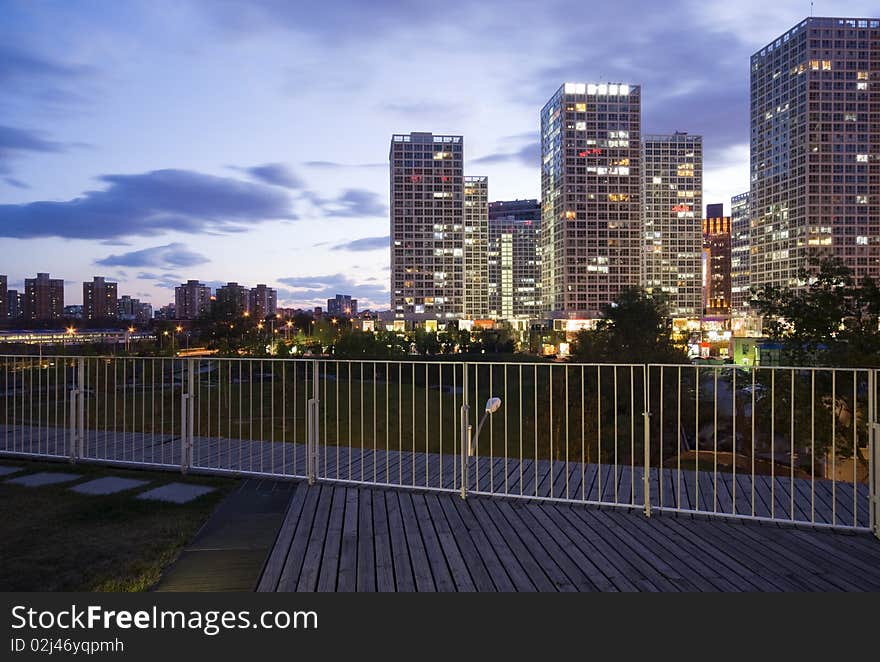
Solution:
(673, 220)
(191, 299)
(99, 299)
(262, 301)
(43, 298)
(716, 265)
(739, 253)
(427, 227)
(514, 259)
(815, 149)
(591, 183)
(476, 246)
(232, 299)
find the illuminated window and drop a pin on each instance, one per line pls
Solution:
(569, 215)
(826, 65)
(580, 126)
(861, 86)
(657, 180)
(849, 117)
(580, 107)
(862, 158)
(862, 241)
(618, 197)
(814, 65)
(862, 199)
(862, 75)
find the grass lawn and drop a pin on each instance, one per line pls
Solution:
(53, 539)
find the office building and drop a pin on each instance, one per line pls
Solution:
(591, 189)
(476, 246)
(342, 304)
(716, 262)
(514, 259)
(739, 253)
(427, 227)
(43, 298)
(191, 300)
(262, 301)
(99, 299)
(232, 299)
(815, 150)
(673, 166)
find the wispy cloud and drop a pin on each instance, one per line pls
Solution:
(276, 174)
(364, 244)
(351, 203)
(162, 257)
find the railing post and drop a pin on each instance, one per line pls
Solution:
(313, 426)
(873, 453)
(191, 409)
(465, 430)
(647, 441)
(184, 420)
(73, 429)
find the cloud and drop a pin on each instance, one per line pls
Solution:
(315, 290)
(149, 204)
(351, 203)
(17, 183)
(364, 244)
(422, 108)
(162, 257)
(276, 174)
(20, 64)
(330, 165)
(15, 142)
(528, 155)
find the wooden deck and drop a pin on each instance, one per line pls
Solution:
(780, 497)
(339, 538)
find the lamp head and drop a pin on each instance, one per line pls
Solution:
(493, 405)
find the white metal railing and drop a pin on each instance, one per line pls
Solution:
(782, 444)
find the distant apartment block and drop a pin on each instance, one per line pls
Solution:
(4, 297)
(15, 303)
(514, 259)
(591, 195)
(262, 301)
(476, 245)
(815, 149)
(191, 299)
(133, 310)
(673, 220)
(739, 253)
(716, 262)
(427, 227)
(342, 304)
(74, 311)
(99, 299)
(232, 299)
(43, 298)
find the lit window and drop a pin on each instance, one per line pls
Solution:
(814, 65)
(861, 86)
(826, 65)
(862, 199)
(862, 241)
(657, 180)
(862, 158)
(862, 75)
(580, 126)
(580, 107)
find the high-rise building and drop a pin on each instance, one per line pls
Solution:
(342, 304)
(233, 299)
(673, 166)
(4, 300)
(591, 188)
(815, 149)
(427, 227)
(99, 299)
(716, 261)
(739, 253)
(43, 298)
(476, 246)
(191, 300)
(16, 305)
(262, 301)
(514, 259)
(133, 310)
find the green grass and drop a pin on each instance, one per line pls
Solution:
(53, 539)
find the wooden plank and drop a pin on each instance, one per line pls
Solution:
(481, 571)
(384, 561)
(452, 545)
(294, 561)
(366, 564)
(332, 543)
(403, 574)
(518, 568)
(348, 568)
(439, 569)
(308, 578)
(278, 555)
(420, 563)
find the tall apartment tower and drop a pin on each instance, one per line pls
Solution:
(16, 304)
(427, 227)
(99, 299)
(262, 301)
(514, 257)
(716, 261)
(591, 188)
(191, 299)
(739, 254)
(4, 298)
(673, 188)
(232, 299)
(476, 246)
(815, 149)
(43, 298)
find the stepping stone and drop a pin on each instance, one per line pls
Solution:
(5, 471)
(176, 492)
(43, 478)
(108, 485)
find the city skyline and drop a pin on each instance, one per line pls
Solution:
(93, 114)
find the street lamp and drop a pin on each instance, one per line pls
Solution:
(493, 404)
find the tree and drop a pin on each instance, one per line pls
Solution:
(634, 328)
(828, 321)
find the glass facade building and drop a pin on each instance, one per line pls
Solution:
(515, 259)
(739, 253)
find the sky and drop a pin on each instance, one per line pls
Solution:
(157, 141)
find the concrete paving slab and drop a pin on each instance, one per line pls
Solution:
(5, 471)
(176, 492)
(108, 485)
(43, 478)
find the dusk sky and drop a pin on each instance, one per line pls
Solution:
(157, 141)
